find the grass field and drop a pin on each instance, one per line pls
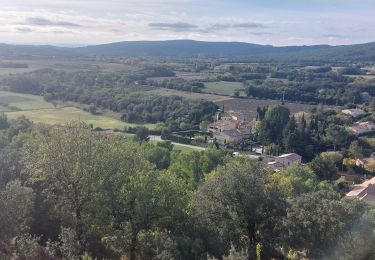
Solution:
(188, 95)
(249, 106)
(39, 111)
(222, 87)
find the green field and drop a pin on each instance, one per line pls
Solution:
(222, 87)
(39, 111)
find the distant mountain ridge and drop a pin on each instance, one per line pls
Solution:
(190, 48)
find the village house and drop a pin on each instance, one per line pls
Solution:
(234, 136)
(230, 128)
(364, 191)
(354, 112)
(284, 161)
(362, 128)
(222, 125)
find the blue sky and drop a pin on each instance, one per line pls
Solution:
(275, 22)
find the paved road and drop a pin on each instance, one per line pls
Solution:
(157, 138)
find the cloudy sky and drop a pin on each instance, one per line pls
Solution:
(276, 22)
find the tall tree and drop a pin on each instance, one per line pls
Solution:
(315, 222)
(275, 120)
(355, 150)
(16, 203)
(136, 198)
(238, 208)
(324, 167)
(337, 135)
(68, 161)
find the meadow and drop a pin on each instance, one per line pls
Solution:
(222, 87)
(38, 110)
(250, 105)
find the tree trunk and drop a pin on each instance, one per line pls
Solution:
(133, 245)
(79, 228)
(251, 250)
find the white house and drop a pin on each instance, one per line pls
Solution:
(354, 112)
(284, 161)
(233, 136)
(362, 128)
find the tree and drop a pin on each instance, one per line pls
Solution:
(67, 160)
(290, 142)
(290, 127)
(295, 180)
(238, 208)
(372, 105)
(187, 166)
(142, 133)
(337, 135)
(158, 155)
(324, 167)
(315, 222)
(16, 203)
(355, 150)
(4, 123)
(275, 120)
(136, 198)
(358, 242)
(204, 125)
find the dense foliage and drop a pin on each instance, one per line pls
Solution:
(68, 193)
(118, 92)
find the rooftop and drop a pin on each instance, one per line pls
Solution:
(357, 189)
(290, 156)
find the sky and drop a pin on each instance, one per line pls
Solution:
(274, 22)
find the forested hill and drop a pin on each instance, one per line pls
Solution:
(189, 48)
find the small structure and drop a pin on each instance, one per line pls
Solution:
(233, 136)
(284, 161)
(362, 128)
(354, 112)
(229, 129)
(364, 191)
(221, 126)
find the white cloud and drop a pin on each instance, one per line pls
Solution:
(98, 21)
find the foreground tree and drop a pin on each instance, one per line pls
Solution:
(295, 180)
(66, 161)
(238, 208)
(16, 203)
(316, 221)
(137, 199)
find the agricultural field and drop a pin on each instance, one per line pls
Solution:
(188, 95)
(37, 110)
(222, 87)
(250, 105)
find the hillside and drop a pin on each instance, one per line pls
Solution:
(189, 48)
